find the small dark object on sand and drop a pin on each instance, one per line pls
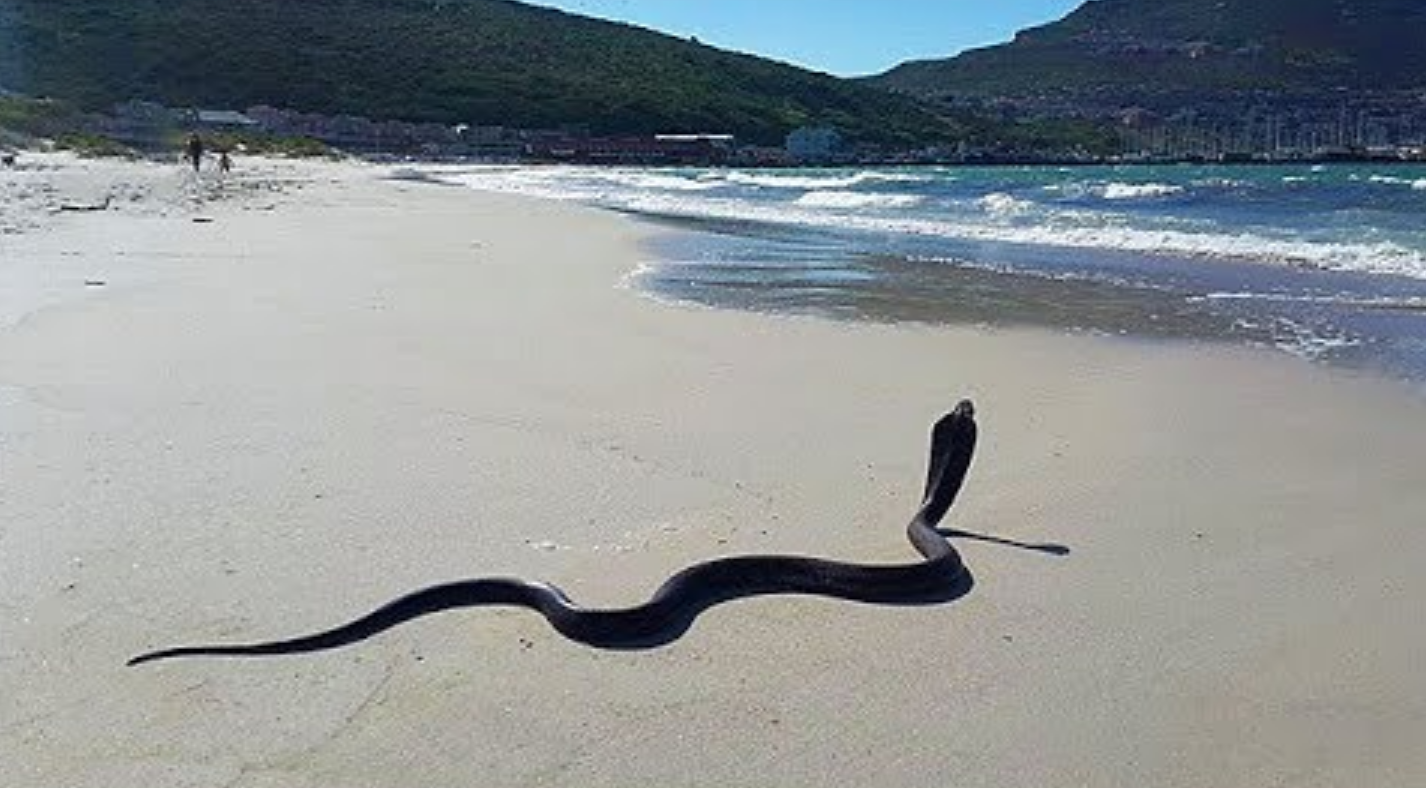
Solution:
(7, 159)
(76, 207)
(95, 283)
(202, 220)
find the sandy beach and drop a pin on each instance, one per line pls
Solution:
(239, 411)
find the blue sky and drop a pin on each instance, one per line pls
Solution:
(844, 37)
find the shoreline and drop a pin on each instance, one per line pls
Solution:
(266, 184)
(377, 385)
(1024, 302)
(911, 254)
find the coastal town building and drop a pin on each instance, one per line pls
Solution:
(1364, 128)
(139, 124)
(663, 149)
(813, 144)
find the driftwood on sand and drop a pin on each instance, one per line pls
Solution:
(79, 207)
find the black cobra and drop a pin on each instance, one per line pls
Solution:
(941, 576)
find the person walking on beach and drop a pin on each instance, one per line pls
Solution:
(193, 151)
(225, 163)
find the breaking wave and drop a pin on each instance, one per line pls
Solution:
(1001, 204)
(1138, 191)
(846, 199)
(833, 201)
(802, 182)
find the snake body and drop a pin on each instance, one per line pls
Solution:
(671, 610)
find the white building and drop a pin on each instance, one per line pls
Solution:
(223, 119)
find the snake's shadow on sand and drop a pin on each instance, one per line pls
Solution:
(1048, 548)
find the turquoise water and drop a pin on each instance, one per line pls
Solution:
(1325, 262)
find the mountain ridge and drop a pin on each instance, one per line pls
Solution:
(1135, 48)
(483, 62)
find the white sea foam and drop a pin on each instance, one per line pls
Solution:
(773, 180)
(572, 183)
(1138, 191)
(1219, 183)
(1309, 343)
(995, 218)
(1418, 184)
(1388, 303)
(670, 182)
(1071, 189)
(1380, 258)
(1001, 204)
(845, 200)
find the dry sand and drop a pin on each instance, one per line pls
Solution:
(345, 387)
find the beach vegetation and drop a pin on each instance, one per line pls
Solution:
(93, 146)
(32, 117)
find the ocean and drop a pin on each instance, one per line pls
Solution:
(1325, 262)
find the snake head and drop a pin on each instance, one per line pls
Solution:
(952, 445)
(965, 409)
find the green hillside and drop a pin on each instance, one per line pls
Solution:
(1130, 48)
(484, 62)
